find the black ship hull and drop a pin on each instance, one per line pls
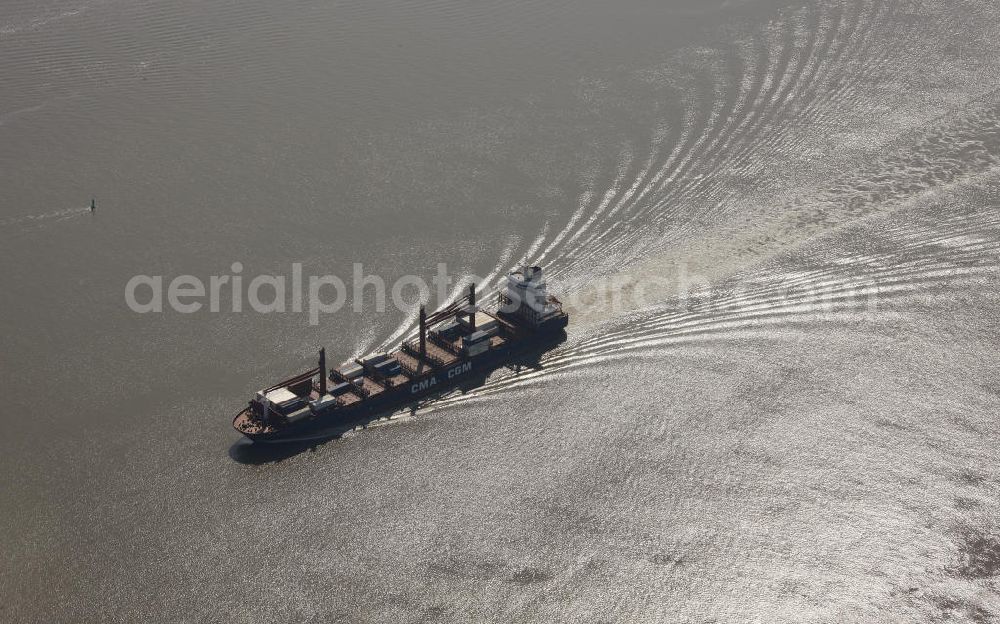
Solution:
(337, 420)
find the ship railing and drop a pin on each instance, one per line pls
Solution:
(407, 369)
(409, 349)
(359, 390)
(444, 344)
(375, 375)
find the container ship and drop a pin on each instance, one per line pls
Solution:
(456, 344)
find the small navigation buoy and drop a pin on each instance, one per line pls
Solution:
(93, 205)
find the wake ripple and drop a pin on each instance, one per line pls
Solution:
(38, 220)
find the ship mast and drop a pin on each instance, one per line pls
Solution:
(423, 331)
(322, 372)
(472, 306)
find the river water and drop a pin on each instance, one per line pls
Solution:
(784, 408)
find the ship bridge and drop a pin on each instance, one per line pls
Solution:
(525, 295)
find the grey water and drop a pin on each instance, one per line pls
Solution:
(812, 438)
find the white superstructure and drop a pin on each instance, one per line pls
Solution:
(525, 295)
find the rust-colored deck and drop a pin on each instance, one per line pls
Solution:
(418, 366)
(243, 422)
(441, 353)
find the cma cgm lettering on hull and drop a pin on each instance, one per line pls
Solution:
(454, 344)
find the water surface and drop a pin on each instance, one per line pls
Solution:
(814, 440)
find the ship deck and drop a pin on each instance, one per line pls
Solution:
(245, 423)
(439, 353)
(419, 366)
(443, 355)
